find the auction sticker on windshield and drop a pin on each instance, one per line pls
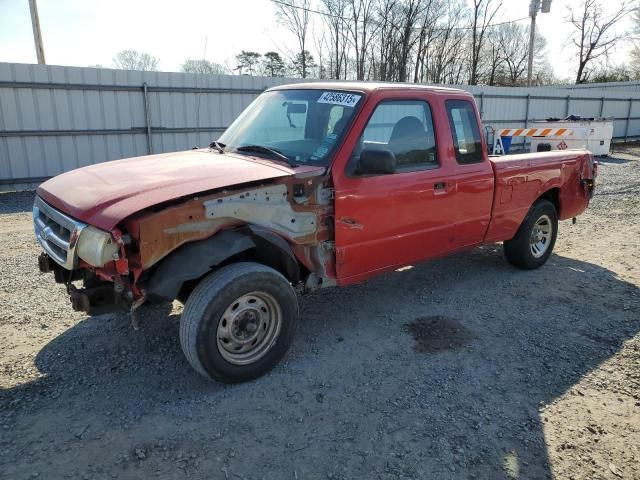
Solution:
(339, 98)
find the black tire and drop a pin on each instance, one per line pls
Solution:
(216, 296)
(519, 251)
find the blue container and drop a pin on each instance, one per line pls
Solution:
(506, 144)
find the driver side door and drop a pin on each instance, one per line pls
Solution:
(384, 221)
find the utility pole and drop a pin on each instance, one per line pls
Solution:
(37, 35)
(534, 7)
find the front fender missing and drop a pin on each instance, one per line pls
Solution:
(274, 251)
(193, 260)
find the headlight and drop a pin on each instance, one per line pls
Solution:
(96, 247)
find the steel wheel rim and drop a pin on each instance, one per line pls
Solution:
(541, 236)
(248, 328)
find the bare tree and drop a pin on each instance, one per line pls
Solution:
(362, 30)
(449, 59)
(495, 57)
(515, 52)
(510, 38)
(411, 11)
(134, 60)
(191, 65)
(594, 34)
(434, 41)
(483, 12)
(384, 62)
(612, 73)
(634, 55)
(336, 11)
(428, 35)
(294, 15)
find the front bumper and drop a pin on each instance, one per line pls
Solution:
(96, 297)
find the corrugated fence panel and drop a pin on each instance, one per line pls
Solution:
(505, 110)
(54, 119)
(548, 108)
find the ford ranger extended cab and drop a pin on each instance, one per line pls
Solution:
(314, 185)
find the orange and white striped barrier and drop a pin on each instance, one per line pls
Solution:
(499, 145)
(536, 132)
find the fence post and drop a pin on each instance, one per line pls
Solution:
(626, 128)
(481, 105)
(147, 118)
(526, 118)
(568, 102)
(601, 106)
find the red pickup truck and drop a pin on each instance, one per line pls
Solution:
(314, 185)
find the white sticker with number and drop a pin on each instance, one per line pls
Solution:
(339, 98)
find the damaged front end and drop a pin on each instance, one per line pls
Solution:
(77, 252)
(286, 224)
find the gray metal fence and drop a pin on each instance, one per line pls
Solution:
(54, 119)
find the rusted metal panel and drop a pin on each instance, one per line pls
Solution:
(304, 200)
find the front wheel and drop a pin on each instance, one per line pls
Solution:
(238, 322)
(533, 243)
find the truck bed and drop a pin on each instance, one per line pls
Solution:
(521, 179)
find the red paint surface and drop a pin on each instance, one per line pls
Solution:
(400, 219)
(105, 194)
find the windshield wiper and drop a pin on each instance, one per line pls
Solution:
(217, 146)
(269, 151)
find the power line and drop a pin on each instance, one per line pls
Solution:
(331, 15)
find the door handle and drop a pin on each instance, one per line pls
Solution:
(440, 188)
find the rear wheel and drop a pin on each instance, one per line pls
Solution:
(533, 243)
(238, 322)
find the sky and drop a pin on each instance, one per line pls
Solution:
(90, 32)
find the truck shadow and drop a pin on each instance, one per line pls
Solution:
(613, 160)
(354, 388)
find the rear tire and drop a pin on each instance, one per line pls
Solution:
(239, 322)
(533, 243)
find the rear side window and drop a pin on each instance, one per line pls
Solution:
(465, 131)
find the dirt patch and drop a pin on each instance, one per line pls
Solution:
(438, 333)
(549, 389)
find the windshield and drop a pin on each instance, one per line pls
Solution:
(303, 125)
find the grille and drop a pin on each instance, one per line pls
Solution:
(57, 233)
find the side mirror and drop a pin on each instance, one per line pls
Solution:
(377, 161)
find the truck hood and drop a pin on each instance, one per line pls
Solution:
(105, 194)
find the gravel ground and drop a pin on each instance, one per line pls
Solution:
(459, 368)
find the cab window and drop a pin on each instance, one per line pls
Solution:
(406, 129)
(465, 131)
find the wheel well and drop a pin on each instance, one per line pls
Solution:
(177, 275)
(553, 196)
(272, 256)
(265, 254)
